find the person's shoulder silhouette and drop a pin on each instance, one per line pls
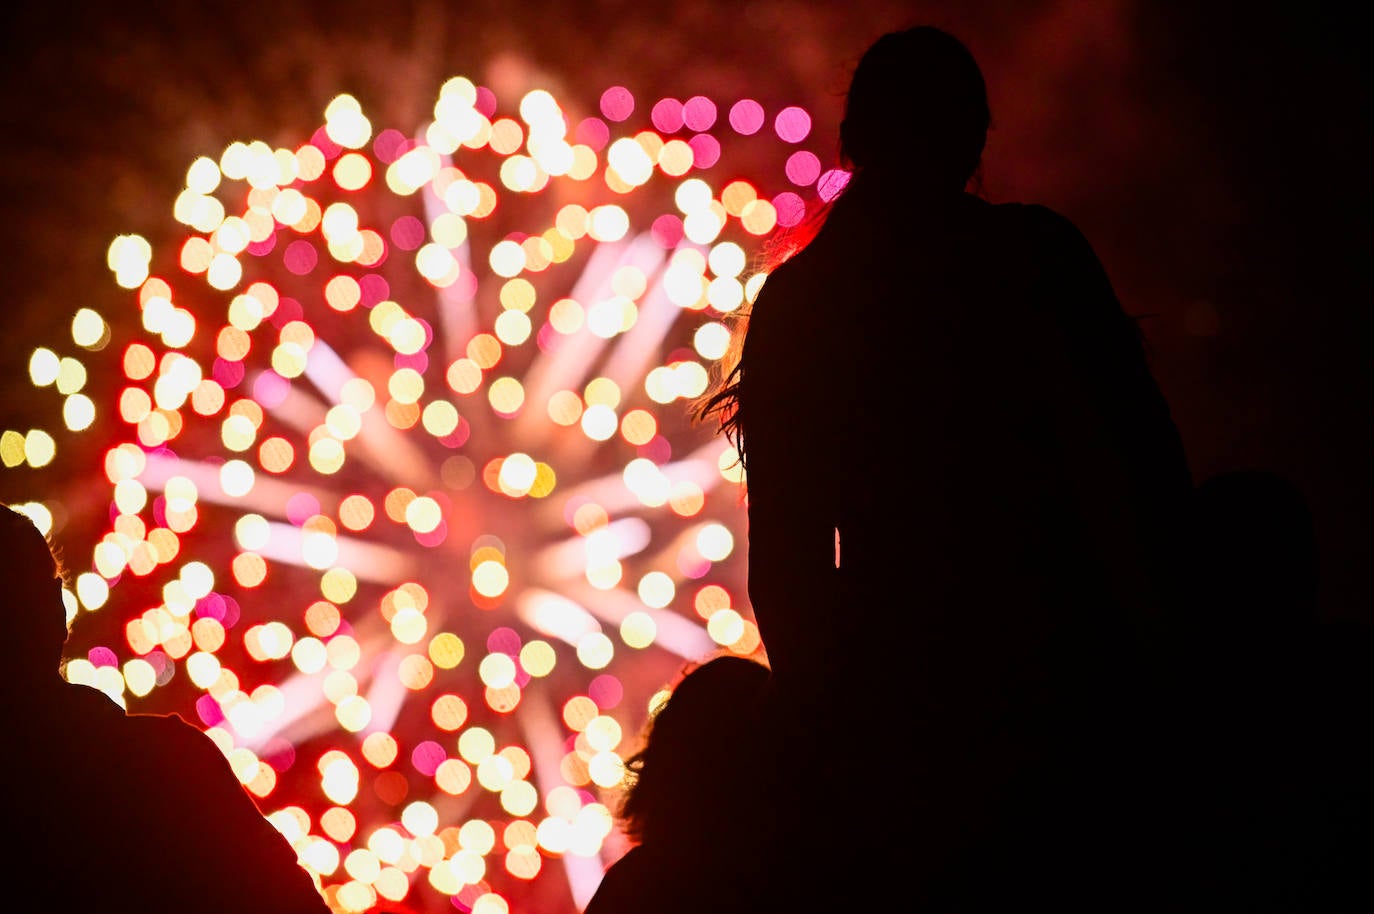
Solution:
(118, 812)
(691, 792)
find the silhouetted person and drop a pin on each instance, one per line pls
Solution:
(1339, 768)
(963, 493)
(1279, 709)
(692, 807)
(1257, 556)
(112, 812)
(1256, 627)
(1248, 697)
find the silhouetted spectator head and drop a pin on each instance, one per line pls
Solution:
(695, 752)
(917, 105)
(1257, 551)
(35, 618)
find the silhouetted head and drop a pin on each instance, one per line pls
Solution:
(917, 106)
(34, 626)
(686, 780)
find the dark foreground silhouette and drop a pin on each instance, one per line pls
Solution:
(964, 488)
(693, 803)
(1274, 718)
(111, 812)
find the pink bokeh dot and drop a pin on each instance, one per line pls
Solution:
(831, 183)
(547, 338)
(606, 690)
(746, 116)
(485, 102)
(227, 374)
(211, 606)
(102, 656)
(705, 150)
(658, 449)
(802, 168)
(427, 757)
(699, 113)
(300, 507)
(163, 666)
(263, 247)
(209, 711)
(790, 207)
(419, 361)
(278, 753)
(433, 537)
(408, 233)
(792, 124)
(270, 389)
(667, 115)
(389, 145)
(503, 640)
(667, 231)
(288, 309)
(232, 611)
(321, 141)
(465, 284)
(300, 257)
(617, 103)
(459, 436)
(593, 132)
(374, 288)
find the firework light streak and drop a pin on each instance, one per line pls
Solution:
(411, 515)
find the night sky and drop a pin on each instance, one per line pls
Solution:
(1212, 153)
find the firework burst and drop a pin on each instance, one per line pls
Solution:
(408, 510)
